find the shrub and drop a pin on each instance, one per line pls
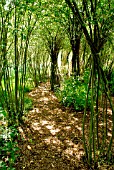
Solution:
(111, 83)
(74, 91)
(28, 103)
(8, 145)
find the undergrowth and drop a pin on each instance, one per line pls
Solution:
(8, 144)
(9, 134)
(111, 83)
(73, 92)
(28, 104)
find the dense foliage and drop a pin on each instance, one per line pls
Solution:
(8, 144)
(111, 83)
(74, 91)
(9, 136)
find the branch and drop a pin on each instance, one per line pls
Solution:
(74, 7)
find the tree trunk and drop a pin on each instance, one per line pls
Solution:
(74, 62)
(75, 57)
(16, 62)
(53, 70)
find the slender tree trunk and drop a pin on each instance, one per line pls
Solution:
(75, 57)
(53, 70)
(52, 76)
(93, 36)
(16, 62)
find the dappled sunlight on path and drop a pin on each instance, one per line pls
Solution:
(51, 136)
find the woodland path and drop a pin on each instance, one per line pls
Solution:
(51, 136)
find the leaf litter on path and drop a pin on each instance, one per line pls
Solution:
(51, 138)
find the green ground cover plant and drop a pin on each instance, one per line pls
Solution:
(8, 144)
(73, 92)
(111, 83)
(28, 103)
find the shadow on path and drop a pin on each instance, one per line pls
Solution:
(51, 136)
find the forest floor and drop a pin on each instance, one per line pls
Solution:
(51, 137)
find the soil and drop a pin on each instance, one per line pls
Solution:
(51, 137)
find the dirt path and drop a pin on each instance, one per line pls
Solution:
(51, 137)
